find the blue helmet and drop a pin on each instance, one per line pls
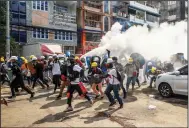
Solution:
(68, 53)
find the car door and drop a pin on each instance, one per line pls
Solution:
(180, 82)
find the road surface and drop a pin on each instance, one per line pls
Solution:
(44, 111)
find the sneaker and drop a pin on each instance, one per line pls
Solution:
(97, 96)
(32, 95)
(69, 109)
(102, 97)
(91, 102)
(132, 87)
(121, 106)
(12, 97)
(112, 104)
(149, 86)
(58, 97)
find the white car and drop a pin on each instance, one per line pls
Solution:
(173, 82)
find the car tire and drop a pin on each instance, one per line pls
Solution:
(165, 90)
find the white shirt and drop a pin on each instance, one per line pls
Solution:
(76, 68)
(112, 79)
(56, 69)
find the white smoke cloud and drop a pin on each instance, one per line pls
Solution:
(161, 42)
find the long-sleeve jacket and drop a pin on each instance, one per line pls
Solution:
(130, 69)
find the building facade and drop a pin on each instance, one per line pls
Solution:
(93, 18)
(52, 22)
(129, 13)
(173, 11)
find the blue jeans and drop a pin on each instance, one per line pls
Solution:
(129, 80)
(115, 89)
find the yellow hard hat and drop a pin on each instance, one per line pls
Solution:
(2, 59)
(23, 58)
(153, 69)
(32, 56)
(76, 58)
(130, 60)
(94, 64)
(25, 61)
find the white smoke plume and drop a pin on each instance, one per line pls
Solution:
(162, 41)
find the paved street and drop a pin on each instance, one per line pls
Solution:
(44, 111)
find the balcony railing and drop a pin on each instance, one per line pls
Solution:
(64, 17)
(92, 23)
(173, 6)
(173, 17)
(119, 14)
(136, 19)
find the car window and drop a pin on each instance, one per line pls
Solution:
(184, 71)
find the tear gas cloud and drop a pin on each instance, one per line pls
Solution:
(162, 41)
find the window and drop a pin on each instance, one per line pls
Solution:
(60, 9)
(14, 19)
(140, 14)
(69, 48)
(22, 7)
(172, 12)
(40, 33)
(171, 2)
(67, 35)
(106, 24)
(14, 6)
(22, 36)
(22, 19)
(40, 5)
(63, 35)
(184, 71)
(151, 18)
(59, 35)
(94, 37)
(106, 7)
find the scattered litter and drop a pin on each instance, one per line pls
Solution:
(151, 107)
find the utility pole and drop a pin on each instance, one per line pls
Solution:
(7, 32)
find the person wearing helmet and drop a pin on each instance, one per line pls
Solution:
(75, 75)
(38, 76)
(96, 80)
(120, 69)
(3, 72)
(131, 72)
(78, 61)
(114, 79)
(56, 72)
(31, 56)
(25, 70)
(147, 66)
(18, 80)
(154, 72)
(137, 64)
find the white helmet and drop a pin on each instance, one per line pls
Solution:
(14, 58)
(149, 63)
(34, 58)
(109, 60)
(42, 57)
(50, 57)
(54, 56)
(61, 55)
